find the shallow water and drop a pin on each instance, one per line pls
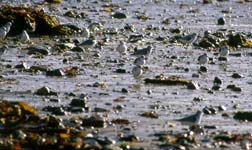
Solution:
(175, 101)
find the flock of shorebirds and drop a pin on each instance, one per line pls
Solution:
(142, 55)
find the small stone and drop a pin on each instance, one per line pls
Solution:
(22, 66)
(94, 121)
(149, 92)
(79, 103)
(59, 111)
(222, 108)
(236, 76)
(38, 50)
(43, 91)
(55, 100)
(119, 15)
(192, 85)
(222, 59)
(124, 90)
(217, 80)
(77, 49)
(221, 21)
(203, 69)
(234, 88)
(195, 75)
(56, 72)
(197, 99)
(120, 70)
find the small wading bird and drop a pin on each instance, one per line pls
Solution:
(223, 51)
(144, 51)
(24, 37)
(188, 39)
(137, 71)
(202, 59)
(2, 50)
(122, 48)
(194, 119)
(85, 33)
(139, 61)
(4, 30)
(89, 43)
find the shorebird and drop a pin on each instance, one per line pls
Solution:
(140, 61)
(122, 48)
(8, 26)
(24, 37)
(2, 50)
(194, 119)
(137, 71)
(145, 51)
(85, 33)
(188, 39)
(89, 43)
(3, 33)
(223, 51)
(202, 59)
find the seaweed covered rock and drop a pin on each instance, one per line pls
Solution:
(34, 20)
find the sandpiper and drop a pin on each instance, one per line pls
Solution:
(202, 59)
(89, 43)
(140, 61)
(24, 37)
(188, 39)
(85, 33)
(2, 50)
(122, 48)
(8, 26)
(194, 119)
(3, 32)
(145, 51)
(223, 51)
(137, 71)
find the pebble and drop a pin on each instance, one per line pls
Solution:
(56, 72)
(203, 69)
(192, 85)
(217, 80)
(236, 76)
(221, 21)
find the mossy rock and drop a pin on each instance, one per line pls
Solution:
(32, 19)
(167, 80)
(243, 115)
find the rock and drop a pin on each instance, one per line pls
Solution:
(192, 85)
(124, 90)
(56, 72)
(79, 103)
(149, 114)
(120, 70)
(222, 59)
(38, 50)
(94, 121)
(77, 49)
(172, 80)
(209, 110)
(195, 75)
(203, 69)
(243, 115)
(120, 121)
(236, 40)
(222, 108)
(216, 87)
(59, 111)
(119, 15)
(45, 91)
(221, 21)
(236, 75)
(41, 68)
(234, 88)
(217, 80)
(22, 66)
(130, 138)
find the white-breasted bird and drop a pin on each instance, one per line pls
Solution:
(24, 37)
(188, 39)
(194, 119)
(2, 50)
(223, 51)
(202, 59)
(144, 51)
(122, 48)
(137, 71)
(140, 61)
(3, 33)
(85, 33)
(89, 43)
(8, 26)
